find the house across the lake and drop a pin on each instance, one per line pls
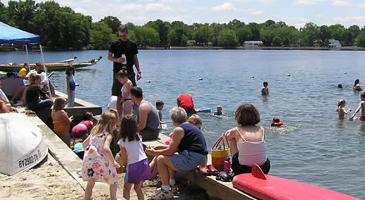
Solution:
(334, 43)
(253, 44)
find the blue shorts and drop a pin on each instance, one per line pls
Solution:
(187, 160)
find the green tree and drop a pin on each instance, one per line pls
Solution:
(146, 36)
(277, 41)
(3, 13)
(216, 28)
(360, 40)
(337, 32)
(255, 31)
(243, 34)
(22, 14)
(227, 38)
(351, 33)
(178, 34)
(112, 22)
(60, 27)
(101, 35)
(324, 34)
(203, 35)
(309, 34)
(162, 29)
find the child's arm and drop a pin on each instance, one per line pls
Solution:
(86, 142)
(356, 111)
(108, 153)
(65, 117)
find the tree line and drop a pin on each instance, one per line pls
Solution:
(62, 28)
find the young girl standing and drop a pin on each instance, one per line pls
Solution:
(125, 104)
(342, 111)
(61, 121)
(98, 163)
(133, 157)
(70, 85)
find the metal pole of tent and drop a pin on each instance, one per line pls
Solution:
(26, 50)
(45, 68)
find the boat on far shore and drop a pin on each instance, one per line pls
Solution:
(52, 66)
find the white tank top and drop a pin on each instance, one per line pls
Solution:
(250, 153)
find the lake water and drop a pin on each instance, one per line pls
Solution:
(314, 146)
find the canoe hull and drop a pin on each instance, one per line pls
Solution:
(49, 66)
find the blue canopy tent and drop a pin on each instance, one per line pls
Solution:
(10, 35)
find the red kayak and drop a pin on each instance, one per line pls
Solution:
(269, 187)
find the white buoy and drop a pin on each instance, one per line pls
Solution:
(200, 78)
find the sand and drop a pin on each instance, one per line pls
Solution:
(51, 181)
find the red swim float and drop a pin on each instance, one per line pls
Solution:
(269, 187)
(277, 124)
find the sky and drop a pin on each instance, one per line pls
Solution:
(293, 12)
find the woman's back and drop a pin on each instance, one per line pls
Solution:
(251, 146)
(61, 122)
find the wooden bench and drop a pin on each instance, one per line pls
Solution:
(214, 188)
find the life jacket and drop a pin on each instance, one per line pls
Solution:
(277, 124)
(186, 101)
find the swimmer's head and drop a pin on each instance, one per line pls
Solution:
(219, 108)
(339, 86)
(159, 104)
(196, 120)
(265, 84)
(341, 102)
(275, 119)
(357, 81)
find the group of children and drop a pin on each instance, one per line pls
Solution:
(341, 109)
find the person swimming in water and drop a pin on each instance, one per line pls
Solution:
(276, 122)
(265, 89)
(342, 111)
(360, 107)
(357, 86)
(219, 110)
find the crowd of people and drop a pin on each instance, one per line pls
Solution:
(136, 120)
(341, 104)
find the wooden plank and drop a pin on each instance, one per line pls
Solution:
(80, 107)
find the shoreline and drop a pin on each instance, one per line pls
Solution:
(257, 48)
(349, 48)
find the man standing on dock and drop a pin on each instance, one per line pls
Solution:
(123, 54)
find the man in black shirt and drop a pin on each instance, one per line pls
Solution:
(123, 54)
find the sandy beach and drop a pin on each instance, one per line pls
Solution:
(51, 181)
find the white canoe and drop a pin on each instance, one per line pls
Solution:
(21, 144)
